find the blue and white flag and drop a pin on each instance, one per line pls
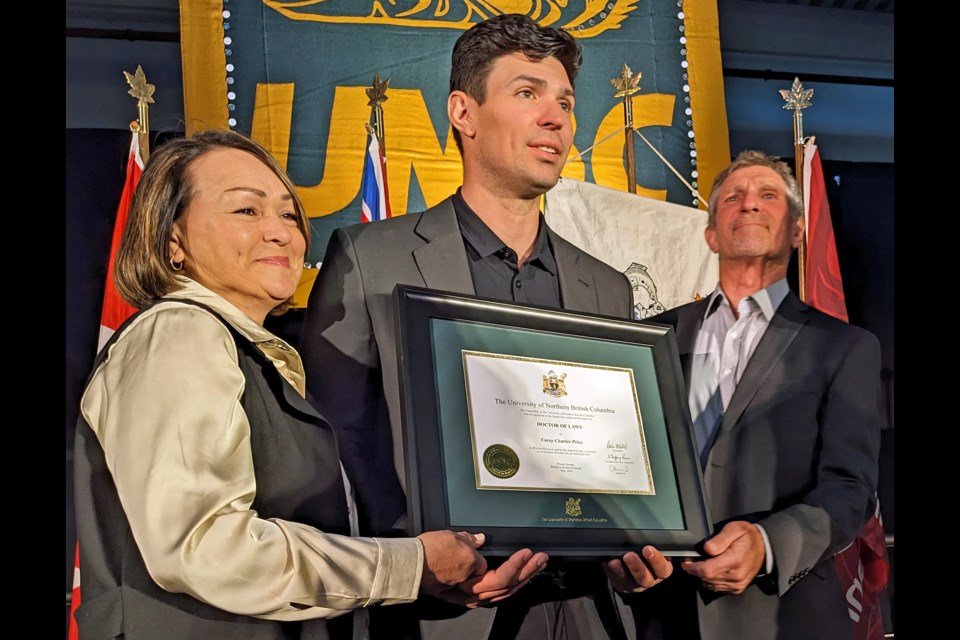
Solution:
(374, 202)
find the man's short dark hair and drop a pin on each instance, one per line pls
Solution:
(484, 42)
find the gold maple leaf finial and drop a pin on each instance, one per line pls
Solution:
(628, 83)
(139, 87)
(796, 97)
(378, 92)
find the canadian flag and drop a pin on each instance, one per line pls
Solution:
(824, 288)
(862, 566)
(115, 311)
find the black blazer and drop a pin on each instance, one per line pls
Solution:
(796, 453)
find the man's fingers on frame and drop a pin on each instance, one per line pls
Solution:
(536, 563)
(660, 565)
(639, 569)
(617, 573)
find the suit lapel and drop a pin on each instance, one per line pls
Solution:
(442, 261)
(786, 323)
(577, 287)
(689, 319)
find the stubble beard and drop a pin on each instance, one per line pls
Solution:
(520, 181)
(756, 244)
(539, 180)
(749, 247)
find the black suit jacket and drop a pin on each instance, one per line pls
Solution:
(796, 453)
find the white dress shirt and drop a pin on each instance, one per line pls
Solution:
(723, 348)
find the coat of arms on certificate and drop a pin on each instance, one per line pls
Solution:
(554, 385)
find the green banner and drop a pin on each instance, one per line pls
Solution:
(294, 76)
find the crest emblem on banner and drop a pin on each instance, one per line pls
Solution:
(573, 508)
(645, 301)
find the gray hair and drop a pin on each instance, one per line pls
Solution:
(754, 158)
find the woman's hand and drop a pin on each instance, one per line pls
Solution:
(454, 571)
(450, 558)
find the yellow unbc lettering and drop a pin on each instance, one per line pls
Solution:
(413, 147)
(346, 141)
(655, 109)
(272, 114)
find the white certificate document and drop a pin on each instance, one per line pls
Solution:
(549, 425)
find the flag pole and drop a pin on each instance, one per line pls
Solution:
(377, 93)
(374, 194)
(796, 98)
(862, 566)
(627, 84)
(115, 310)
(143, 92)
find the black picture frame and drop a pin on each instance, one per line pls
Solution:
(434, 328)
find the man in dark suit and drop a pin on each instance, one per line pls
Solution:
(785, 402)
(510, 106)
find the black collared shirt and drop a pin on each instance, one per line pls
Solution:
(493, 265)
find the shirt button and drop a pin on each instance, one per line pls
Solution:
(507, 254)
(726, 372)
(517, 284)
(734, 334)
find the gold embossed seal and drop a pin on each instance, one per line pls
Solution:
(501, 461)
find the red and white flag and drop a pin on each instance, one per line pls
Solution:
(115, 308)
(824, 288)
(374, 196)
(115, 311)
(862, 566)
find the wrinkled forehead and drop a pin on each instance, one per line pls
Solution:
(757, 176)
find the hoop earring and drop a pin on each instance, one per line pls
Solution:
(176, 266)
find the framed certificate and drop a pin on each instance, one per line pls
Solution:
(555, 430)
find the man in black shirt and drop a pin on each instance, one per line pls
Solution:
(510, 104)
